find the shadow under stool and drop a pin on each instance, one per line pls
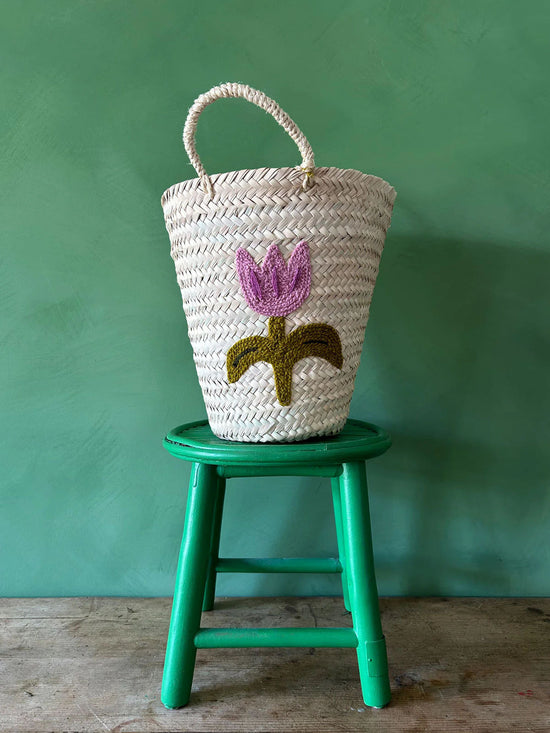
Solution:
(342, 459)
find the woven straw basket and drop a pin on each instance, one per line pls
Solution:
(276, 268)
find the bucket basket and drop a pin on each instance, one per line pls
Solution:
(276, 268)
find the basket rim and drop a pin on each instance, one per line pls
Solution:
(237, 177)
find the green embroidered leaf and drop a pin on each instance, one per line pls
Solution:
(315, 339)
(246, 352)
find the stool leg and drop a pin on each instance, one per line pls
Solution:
(371, 648)
(340, 539)
(179, 663)
(210, 592)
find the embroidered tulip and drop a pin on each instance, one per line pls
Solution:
(275, 288)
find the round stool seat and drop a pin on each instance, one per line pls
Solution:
(358, 441)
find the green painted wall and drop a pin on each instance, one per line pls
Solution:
(449, 102)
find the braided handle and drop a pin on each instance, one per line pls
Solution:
(259, 99)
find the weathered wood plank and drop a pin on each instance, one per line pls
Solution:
(85, 664)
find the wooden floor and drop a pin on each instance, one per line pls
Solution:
(95, 664)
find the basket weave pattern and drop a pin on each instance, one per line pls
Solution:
(343, 217)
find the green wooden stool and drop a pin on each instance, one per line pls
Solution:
(342, 458)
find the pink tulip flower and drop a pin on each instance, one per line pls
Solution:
(275, 288)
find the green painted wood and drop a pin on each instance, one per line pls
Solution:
(358, 440)
(197, 567)
(279, 565)
(294, 637)
(210, 590)
(189, 592)
(337, 506)
(363, 593)
(281, 469)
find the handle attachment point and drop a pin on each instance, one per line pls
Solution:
(309, 174)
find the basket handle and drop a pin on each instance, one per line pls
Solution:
(259, 99)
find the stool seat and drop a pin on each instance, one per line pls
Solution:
(358, 441)
(341, 458)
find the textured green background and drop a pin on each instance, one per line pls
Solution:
(446, 100)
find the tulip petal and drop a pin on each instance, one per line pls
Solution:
(274, 282)
(255, 285)
(299, 267)
(294, 280)
(249, 277)
(273, 260)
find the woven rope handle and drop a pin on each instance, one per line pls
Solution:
(259, 99)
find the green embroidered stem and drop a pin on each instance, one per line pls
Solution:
(282, 352)
(281, 370)
(276, 329)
